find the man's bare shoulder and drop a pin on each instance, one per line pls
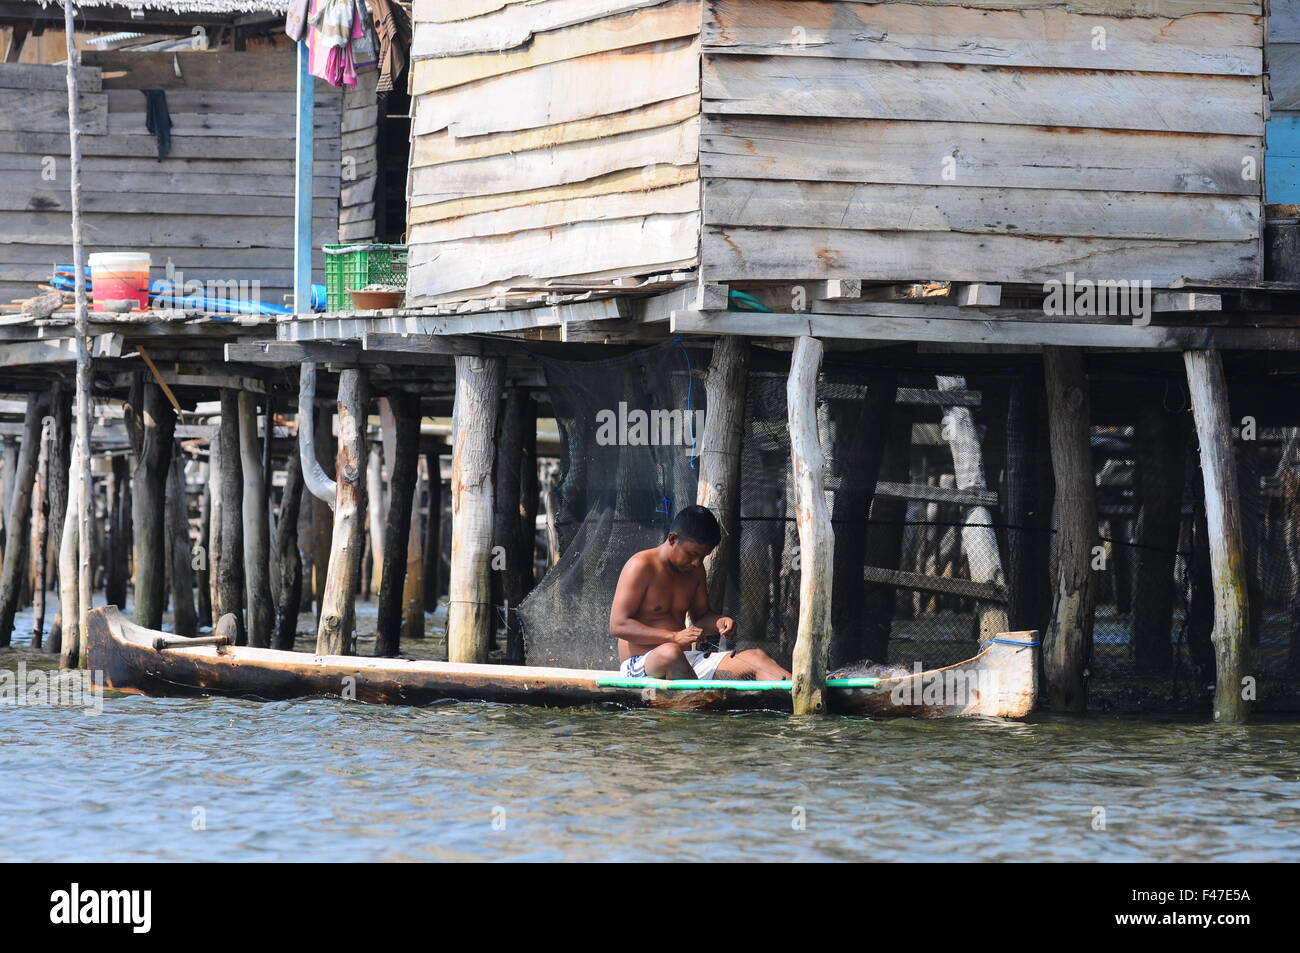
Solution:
(641, 562)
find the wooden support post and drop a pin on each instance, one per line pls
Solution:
(469, 594)
(1069, 634)
(885, 539)
(506, 527)
(720, 445)
(215, 521)
(334, 636)
(202, 574)
(979, 541)
(1209, 397)
(185, 620)
(861, 429)
(816, 542)
(525, 577)
(60, 464)
(119, 537)
(257, 532)
(40, 531)
(433, 533)
(375, 518)
(151, 421)
(1160, 445)
(230, 567)
(405, 410)
(69, 570)
(413, 586)
(18, 517)
(288, 598)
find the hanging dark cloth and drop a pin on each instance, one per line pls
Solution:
(158, 120)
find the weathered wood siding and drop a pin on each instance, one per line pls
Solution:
(360, 167)
(220, 206)
(1005, 140)
(552, 139)
(1282, 170)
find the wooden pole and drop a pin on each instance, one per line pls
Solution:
(979, 541)
(152, 423)
(469, 618)
(816, 541)
(719, 462)
(40, 532)
(81, 323)
(203, 575)
(861, 434)
(375, 515)
(433, 533)
(1069, 634)
(257, 532)
(413, 586)
(334, 636)
(506, 525)
(1209, 397)
(18, 518)
(69, 577)
(525, 576)
(288, 600)
(60, 466)
(1160, 446)
(230, 567)
(215, 521)
(185, 620)
(405, 410)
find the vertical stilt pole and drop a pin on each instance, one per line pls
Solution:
(289, 595)
(1209, 393)
(505, 524)
(185, 620)
(152, 424)
(230, 567)
(257, 532)
(69, 578)
(405, 409)
(469, 612)
(433, 533)
(40, 531)
(1069, 634)
(202, 574)
(719, 475)
(338, 605)
(413, 585)
(816, 542)
(60, 471)
(18, 518)
(375, 516)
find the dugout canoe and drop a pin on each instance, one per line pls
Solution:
(1000, 681)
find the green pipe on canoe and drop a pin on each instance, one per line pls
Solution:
(715, 684)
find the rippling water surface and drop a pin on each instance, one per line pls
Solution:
(329, 780)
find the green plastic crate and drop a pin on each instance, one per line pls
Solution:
(354, 266)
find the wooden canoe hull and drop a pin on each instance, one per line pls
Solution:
(1000, 681)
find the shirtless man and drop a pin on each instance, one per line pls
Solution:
(656, 590)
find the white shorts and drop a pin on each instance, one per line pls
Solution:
(704, 663)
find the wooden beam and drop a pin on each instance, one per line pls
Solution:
(719, 462)
(982, 330)
(1209, 394)
(965, 588)
(478, 392)
(816, 542)
(338, 604)
(1069, 635)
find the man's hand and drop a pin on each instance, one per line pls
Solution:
(726, 625)
(688, 636)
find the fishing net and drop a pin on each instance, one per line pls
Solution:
(923, 559)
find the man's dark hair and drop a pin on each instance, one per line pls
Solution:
(697, 525)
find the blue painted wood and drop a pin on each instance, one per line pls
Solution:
(302, 192)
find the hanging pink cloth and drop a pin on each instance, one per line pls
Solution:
(334, 25)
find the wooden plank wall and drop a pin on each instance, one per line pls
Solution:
(1004, 140)
(360, 144)
(220, 206)
(552, 139)
(1282, 168)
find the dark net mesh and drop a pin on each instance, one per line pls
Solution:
(930, 550)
